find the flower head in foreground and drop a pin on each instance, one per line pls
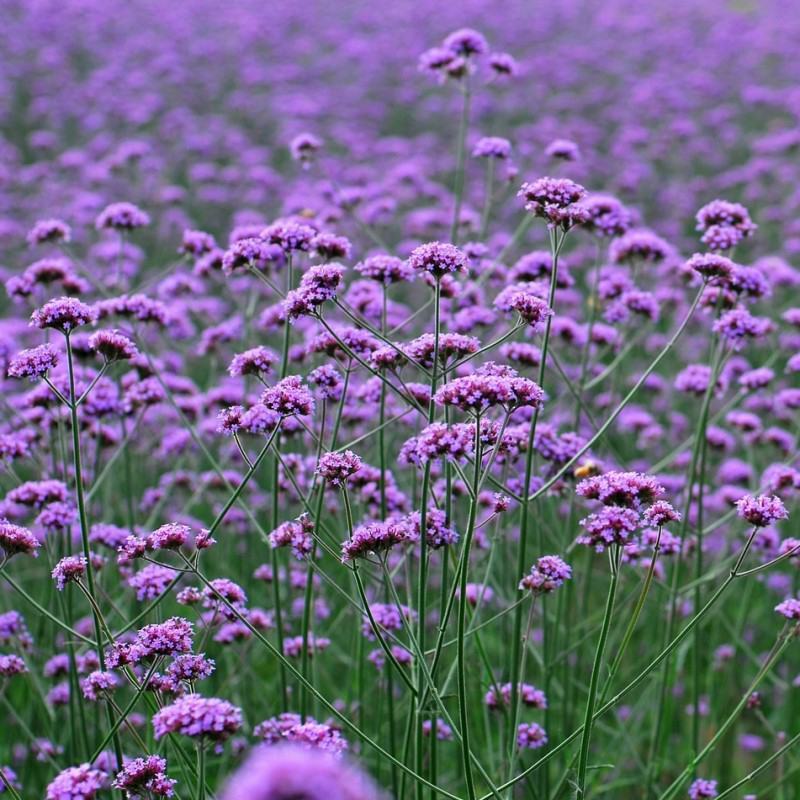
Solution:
(77, 783)
(290, 771)
(337, 467)
(198, 717)
(113, 346)
(629, 489)
(63, 314)
(143, 776)
(546, 575)
(555, 199)
(438, 259)
(15, 539)
(289, 397)
(33, 363)
(374, 537)
(762, 510)
(71, 568)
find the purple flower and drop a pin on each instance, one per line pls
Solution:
(199, 718)
(563, 150)
(15, 539)
(304, 147)
(660, 513)
(49, 230)
(374, 537)
(64, 314)
(702, 789)
(289, 397)
(77, 783)
(438, 259)
(122, 217)
(546, 575)
(337, 467)
(629, 489)
(171, 536)
(113, 346)
(288, 770)
(466, 42)
(289, 236)
(146, 775)
(531, 736)
(555, 199)
(71, 568)
(789, 608)
(739, 324)
(249, 252)
(169, 638)
(610, 525)
(97, 684)
(762, 510)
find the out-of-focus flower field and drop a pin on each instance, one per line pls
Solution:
(399, 400)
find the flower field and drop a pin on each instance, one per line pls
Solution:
(400, 400)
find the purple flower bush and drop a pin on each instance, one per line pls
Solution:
(399, 410)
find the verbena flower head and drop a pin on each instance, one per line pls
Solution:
(289, 770)
(610, 525)
(199, 718)
(304, 147)
(337, 467)
(169, 638)
(761, 510)
(478, 392)
(724, 224)
(15, 540)
(113, 345)
(629, 489)
(289, 397)
(316, 286)
(289, 236)
(11, 665)
(739, 324)
(49, 231)
(296, 534)
(250, 252)
(64, 314)
(660, 513)
(556, 200)
(438, 259)
(386, 269)
(531, 308)
(143, 776)
(77, 783)
(710, 265)
(122, 217)
(702, 789)
(33, 363)
(373, 537)
(546, 575)
(69, 569)
(466, 42)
